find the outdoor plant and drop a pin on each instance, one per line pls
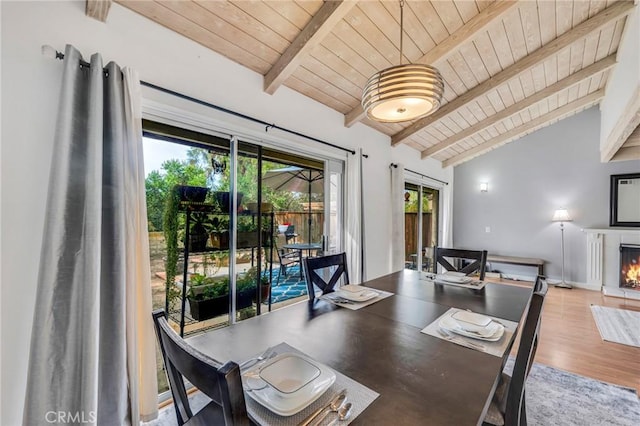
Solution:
(199, 228)
(170, 227)
(203, 287)
(208, 296)
(220, 232)
(245, 224)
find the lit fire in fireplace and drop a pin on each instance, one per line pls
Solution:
(630, 266)
(633, 273)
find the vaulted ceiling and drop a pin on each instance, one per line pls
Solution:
(510, 67)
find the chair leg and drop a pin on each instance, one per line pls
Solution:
(278, 279)
(523, 410)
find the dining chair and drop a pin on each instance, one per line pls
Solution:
(314, 265)
(508, 405)
(221, 383)
(444, 257)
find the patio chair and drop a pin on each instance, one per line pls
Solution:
(478, 260)
(312, 265)
(508, 403)
(221, 383)
(282, 259)
(290, 233)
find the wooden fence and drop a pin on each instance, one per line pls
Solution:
(300, 222)
(411, 233)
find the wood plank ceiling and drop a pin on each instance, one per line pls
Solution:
(510, 68)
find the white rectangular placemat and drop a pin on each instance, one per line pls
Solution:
(492, 348)
(354, 306)
(358, 395)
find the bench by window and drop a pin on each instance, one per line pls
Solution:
(514, 260)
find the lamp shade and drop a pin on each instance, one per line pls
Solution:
(561, 215)
(403, 92)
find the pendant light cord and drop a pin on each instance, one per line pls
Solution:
(401, 27)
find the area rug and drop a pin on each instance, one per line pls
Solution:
(617, 325)
(556, 397)
(287, 287)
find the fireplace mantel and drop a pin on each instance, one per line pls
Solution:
(612, 231)
(603, 262)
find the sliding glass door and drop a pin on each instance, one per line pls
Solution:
(229, 223)
(421, 207)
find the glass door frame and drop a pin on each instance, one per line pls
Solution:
(334, 168)
(422, 184)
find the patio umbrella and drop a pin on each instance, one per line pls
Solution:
(296, 179)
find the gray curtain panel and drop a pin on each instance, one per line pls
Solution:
(78, 359)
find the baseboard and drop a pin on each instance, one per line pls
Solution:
(617, 292)
(574, 284)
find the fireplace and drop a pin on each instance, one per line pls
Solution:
(630, 266)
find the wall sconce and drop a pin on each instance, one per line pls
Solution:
(484, 187)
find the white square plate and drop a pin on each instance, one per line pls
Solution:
(362, 296)
(454, 278)
(289, 404)
(492, 333)
(288, 373)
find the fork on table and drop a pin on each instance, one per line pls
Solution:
(267, 354)
(464, 342)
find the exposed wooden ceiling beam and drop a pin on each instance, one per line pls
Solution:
(634, 139)
(625, 125)
(519, 131)
(450, 45)
(614, 12)
(573, 79)
(98, 9)
(314, 32)
(627, 153)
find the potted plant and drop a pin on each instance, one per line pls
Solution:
(220, 233)
(192, 194)
(199, 228)
(247, 233)
(209, 296)
(265, 287)
(223, 199)
(249, 281)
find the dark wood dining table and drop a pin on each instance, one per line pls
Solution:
(422, 380)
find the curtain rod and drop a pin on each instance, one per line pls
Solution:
(395, 166)
(59, 55)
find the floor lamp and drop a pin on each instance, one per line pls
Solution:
(562, 215)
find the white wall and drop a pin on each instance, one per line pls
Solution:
(624, 79)
(557, 166)
(30, 86)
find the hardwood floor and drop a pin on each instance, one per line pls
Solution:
(570, 341)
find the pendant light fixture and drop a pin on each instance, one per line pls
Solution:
(403, 92)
